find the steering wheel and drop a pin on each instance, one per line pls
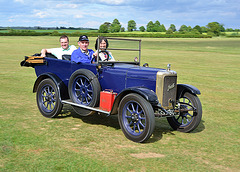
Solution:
(104, 51)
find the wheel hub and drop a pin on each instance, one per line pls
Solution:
(184, 109)
(134, 118)
(48, 98)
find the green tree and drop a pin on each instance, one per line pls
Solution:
(150, 26)
(122, 29)
(142, 28)
(214, 28)
(183, 29)
(195, 31)
(108, 24)
(156, 27)
(131, 25)
(229, 30)
(222, 29)
(169, 31)
(103, 28)
(115, 26)
(203, 29)
(162, 28)
(189, 28)
(198, 28)
(173, 27)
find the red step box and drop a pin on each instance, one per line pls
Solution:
(106, 100)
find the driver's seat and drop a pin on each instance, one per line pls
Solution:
(66, 57)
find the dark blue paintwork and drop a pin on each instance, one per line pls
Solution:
(116, 77)
(121, 76)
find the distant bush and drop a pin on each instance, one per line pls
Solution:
(24, 33)
(234, 35)
(152, 35)
(95, 34)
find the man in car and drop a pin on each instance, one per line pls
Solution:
(83, 54)
(65, 49)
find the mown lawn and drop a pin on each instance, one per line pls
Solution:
(31, 142)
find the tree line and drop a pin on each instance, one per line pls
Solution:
(212, 28)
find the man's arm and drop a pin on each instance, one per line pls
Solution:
(44, 52)
(74, 56)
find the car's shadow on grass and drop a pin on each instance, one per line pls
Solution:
(161, 125)
(163, 128)
(94, 119)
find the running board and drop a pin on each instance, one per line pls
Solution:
(96, 109)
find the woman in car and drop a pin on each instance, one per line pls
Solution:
(104, 55)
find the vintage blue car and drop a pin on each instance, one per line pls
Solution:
(136, 93)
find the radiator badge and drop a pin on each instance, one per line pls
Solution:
(171, 86)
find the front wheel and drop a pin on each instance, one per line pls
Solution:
(48, 99)
(190, 113)
(136, 118)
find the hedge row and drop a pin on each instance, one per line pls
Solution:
(154, 35)
(25, 34)
(95, 34)
(233, 36)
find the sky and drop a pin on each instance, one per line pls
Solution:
(93, 13)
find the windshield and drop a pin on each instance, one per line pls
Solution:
(118, 50)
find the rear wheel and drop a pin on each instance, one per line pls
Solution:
(136, 118)
(84, 89)
(48, 98)
(188, 118)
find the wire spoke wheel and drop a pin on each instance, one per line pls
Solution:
(84, 89)
(190, 113)
(136, 118)
(48, 99)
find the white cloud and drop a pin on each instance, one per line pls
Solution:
(78, 16)
(40, 14)
(92, 13)
(11, 20)
(66, 6)
(105, 14)
(92, 24)
(228, 14)
(113, 2)
(21, 1)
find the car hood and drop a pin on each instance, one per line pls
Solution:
(144, 73)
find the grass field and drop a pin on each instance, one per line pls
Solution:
(31, 142)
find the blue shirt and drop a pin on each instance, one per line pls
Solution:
(79, 56)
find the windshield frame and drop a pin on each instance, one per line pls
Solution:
(137, 61)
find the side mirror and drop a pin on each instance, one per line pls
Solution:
(145, 65)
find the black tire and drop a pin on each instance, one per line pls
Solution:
(47, 98)
(187, 121)
(84, 89)
(136, 118)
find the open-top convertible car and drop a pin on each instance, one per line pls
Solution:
(136, 93)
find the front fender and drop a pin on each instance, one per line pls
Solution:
(182, 88)
(62, 88)
(146, 93)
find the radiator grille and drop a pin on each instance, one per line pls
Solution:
(166, 87)
(169, 90)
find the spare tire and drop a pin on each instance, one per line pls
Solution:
(84, 89)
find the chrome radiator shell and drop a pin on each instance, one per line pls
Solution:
(166, 88)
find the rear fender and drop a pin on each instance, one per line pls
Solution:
(182, 88)
(146, 93)
(62, 88)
